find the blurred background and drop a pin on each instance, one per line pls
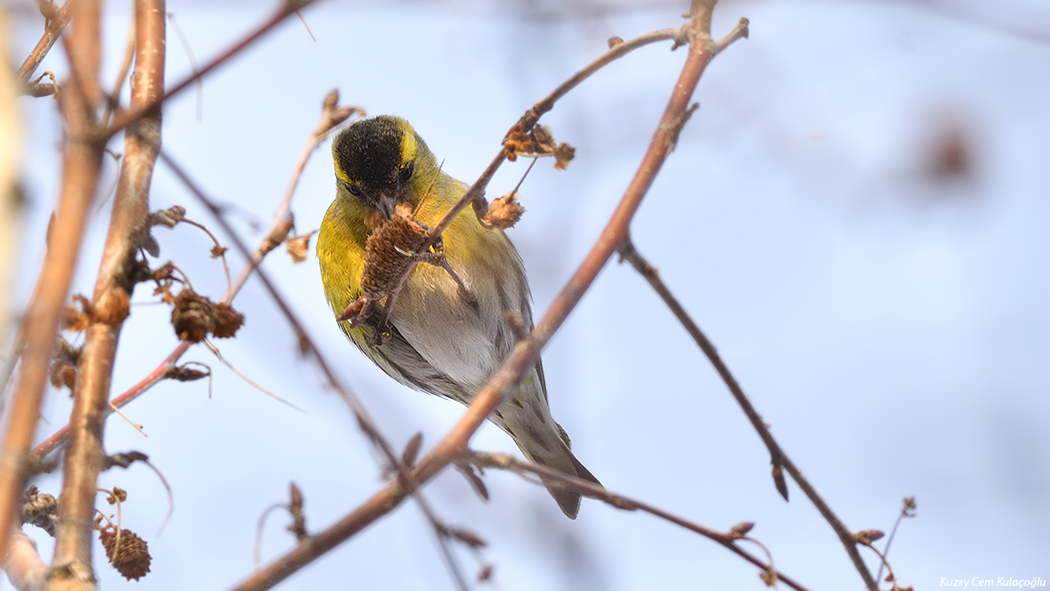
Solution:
(857, 215)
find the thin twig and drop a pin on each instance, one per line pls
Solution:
(778, 457)
(526, 353)
(85, 455)
(218, 355)
(528, 121)
(218, 248)
(125, 67)
(193, 62)
(907, 510)
(287, 8)
(508, 462)
(58, 439)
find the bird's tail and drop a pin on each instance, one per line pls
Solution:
(551, 448)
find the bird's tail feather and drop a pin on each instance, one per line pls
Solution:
(554, 452)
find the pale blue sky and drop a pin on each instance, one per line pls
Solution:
(891, 329)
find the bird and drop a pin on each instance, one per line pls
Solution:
(448, 328)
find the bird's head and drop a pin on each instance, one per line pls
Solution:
(378, 161)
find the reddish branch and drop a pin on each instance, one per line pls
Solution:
(82, 159)
(129, 223)
(52, 31)
(727, 539)
(526, 353)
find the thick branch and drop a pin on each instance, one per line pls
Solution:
(82, 159)
(129, 222)
(22, 563)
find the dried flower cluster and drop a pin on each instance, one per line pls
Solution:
(538, 142)
(195, 317)
(40, 509)
(504, 212)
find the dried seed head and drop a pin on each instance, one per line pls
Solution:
(389, 250)
(195, 316)
(563, 154)
(227, 321)
(191, 316)
(131, 558)
(75, 320)
(505, 211)
(40, 509)
(538, 142)
(64, 360)
(168, 217)
(298, 247)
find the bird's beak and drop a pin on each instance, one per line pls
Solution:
(386, 204)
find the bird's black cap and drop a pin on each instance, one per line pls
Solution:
(369, 151)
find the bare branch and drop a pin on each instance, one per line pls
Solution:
(22, 563)
(52, 31)
(778, 457)
(727, 539)
(128, 225)
(82, 159)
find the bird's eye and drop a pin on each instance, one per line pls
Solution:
(406, 172)
(355, 190)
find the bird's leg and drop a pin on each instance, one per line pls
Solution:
(360, 311)
(437, 258)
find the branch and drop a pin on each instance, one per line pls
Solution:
(778, 457)
(52, 31)
(22, 563)
(125, 118)
(531, 117)
(128, 225)
(526, 353)
(82, 159)
(508, 462)
(332, 116)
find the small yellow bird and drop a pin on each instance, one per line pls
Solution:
(447, 329)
